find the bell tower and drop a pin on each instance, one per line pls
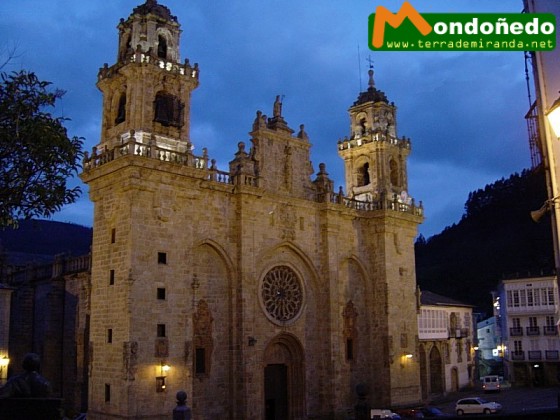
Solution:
(375, 159)
(147, 93)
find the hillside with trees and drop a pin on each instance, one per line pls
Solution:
(38, 241)
(495, 239)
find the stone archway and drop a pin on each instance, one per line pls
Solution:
(454, 380)
(436, 372)
(284, 379)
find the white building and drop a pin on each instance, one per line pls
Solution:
(542, 136)
(488, 335)
(489, 347)
(527, 309)
(445, 332)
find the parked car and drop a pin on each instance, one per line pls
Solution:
(422, 412)
(383, 413)
(430, 412)
(476, 405)
(491, 383)
(410, 413)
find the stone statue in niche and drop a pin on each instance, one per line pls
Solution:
(130, 360)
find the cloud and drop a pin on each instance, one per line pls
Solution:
(463, 111)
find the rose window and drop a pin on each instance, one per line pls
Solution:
(281, 294)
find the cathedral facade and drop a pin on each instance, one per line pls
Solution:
(260, 291)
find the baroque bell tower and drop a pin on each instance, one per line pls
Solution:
(375, 159)
(147, 93)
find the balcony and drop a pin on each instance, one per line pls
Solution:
(458, 332)
(533, 331)
(550, 330)
(534, 354)
(516, 331)
(551, 355)
(517, 355)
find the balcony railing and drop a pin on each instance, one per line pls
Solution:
(518, 355)
(516, 331)
(551, 355)
(534, 354)
(550, 330)
(533, 330)
(136, 144)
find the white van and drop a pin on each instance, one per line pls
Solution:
(376, 413)
(491, 383)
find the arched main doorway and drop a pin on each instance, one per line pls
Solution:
(284, 379)
(436, 372)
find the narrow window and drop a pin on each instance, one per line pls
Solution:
(111, 277)
(363, 175)
(110, 335)
(200, 360)
(160, 384)
(113, 235)
(162, 47)
(161, 330)
(349, 349)
(107, 393)
(162, 258)
(161, 293)
(121, 110)
(394, 172)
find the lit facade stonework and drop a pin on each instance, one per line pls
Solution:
(446, 353)
(266, 293)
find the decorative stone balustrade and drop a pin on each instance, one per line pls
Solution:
(140, 57)
(359, 140)
(131, 147)
(61, 266)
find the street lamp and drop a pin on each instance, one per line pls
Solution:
(4, 362)
(553, 116)
(537, 215)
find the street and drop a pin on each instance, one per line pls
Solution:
(513, 400)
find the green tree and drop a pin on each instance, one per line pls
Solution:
(36, 155)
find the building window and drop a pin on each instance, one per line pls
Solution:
(107, 393)
(161, 330)
(121, 110)
(394, 172)
(349, 349)
(162, 47)
(162, 258)
(509, 299)
(516, 298)
(363, 175)
(530, 297)
(113, 235)
(160, 384)
(550, 296)
(109, 335)
(522, 298)
(200, 360)
(168, 110)
(161, 293)
(532, 321)
(537, 297)
(111, 277)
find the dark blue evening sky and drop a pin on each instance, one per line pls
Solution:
(463, 111)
